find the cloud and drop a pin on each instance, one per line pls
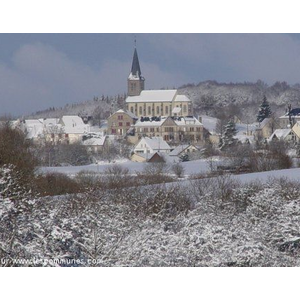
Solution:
(235, 57)
(40, 76)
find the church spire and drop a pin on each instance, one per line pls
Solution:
(136, 82)
(135, 68)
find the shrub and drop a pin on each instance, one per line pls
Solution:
(178, 169)
(56, 184)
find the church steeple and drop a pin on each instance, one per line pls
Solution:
(136, 82)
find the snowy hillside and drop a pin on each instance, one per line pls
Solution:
(207, 96)
(210, 96)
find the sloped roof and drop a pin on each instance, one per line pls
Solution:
(95, 141)
(135, 68)
(209, 123)
(129, 113)
(280, 133)
(182, 98)
(157, 143)
(74, 124)
(153, 96)
(179, 149)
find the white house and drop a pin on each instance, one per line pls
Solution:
(74, 128)
(283, 134)
(152, 145)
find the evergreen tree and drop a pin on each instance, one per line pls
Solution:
(227, 138)
(264, 110)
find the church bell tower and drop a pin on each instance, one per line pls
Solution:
(135, 81)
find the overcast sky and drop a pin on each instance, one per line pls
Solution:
(42, 70)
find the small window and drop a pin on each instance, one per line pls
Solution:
(141, 110)
(157, 110)
(120, 124)
(128, 124)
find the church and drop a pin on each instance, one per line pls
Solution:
(153, 103)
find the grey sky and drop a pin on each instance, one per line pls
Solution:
(42, 70)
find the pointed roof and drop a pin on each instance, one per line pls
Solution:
(135, 69)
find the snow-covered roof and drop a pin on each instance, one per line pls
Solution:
(182, 98)
(153, 96)
(156, 143)
(209, 123)
(75, 125)
(263, 123)
(280, 133)
(95, 141)
(50, 121)
(129, 113)
(179, 149)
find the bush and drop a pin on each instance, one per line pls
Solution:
(16, 150)
(178, 170)
(56, 184)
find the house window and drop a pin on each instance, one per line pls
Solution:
(66, 135)
(128, 124)
(184, 108)
(113, 131)
(149, 110)
(131, 109)
(151, 129)
(167, 110)
(120, 117)
(141, 110)
(120, 124)
(157, 110)
(191, 129)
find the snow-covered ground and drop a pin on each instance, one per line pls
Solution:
(191, 167)
(292, 174)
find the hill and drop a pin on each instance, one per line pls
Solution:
(209, 97)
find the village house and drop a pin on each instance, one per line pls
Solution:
(151, 145)
(265, 128)
(286, 135)
(68, 129)
(296, 131)
(289, 119)
(120, 122)
(95, 143)
(171, 129)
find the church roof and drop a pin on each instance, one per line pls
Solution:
(135, 68)
(153, 96)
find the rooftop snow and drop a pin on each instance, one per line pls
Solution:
(153, 96)
(156, 143)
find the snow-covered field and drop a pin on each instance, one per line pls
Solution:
(191, 167)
